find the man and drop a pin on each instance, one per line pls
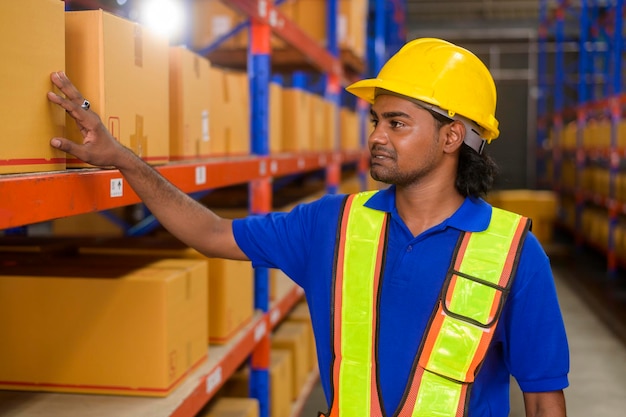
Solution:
(424, 299)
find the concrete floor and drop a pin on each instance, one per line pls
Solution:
(597, 349)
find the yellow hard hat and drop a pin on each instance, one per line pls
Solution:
(441, 74)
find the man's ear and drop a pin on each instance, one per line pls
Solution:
(454, 135)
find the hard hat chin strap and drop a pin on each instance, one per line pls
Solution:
(473, 133)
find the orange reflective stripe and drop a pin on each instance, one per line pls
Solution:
(337, 303)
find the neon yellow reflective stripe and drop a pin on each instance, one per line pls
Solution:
(485, 256)
(437, 397)
(361, 248)
(454, 348)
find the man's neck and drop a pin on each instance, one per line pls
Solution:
(422, 207)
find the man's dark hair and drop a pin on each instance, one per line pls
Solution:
(476, 172)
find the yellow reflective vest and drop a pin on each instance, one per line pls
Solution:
(461, 327)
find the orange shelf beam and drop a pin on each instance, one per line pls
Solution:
(34, 198)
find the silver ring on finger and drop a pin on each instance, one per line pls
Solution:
(86, 104)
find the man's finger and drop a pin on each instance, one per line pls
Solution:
(64, 84)
(75, 110)
(66, 145)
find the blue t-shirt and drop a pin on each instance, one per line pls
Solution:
(529, 342)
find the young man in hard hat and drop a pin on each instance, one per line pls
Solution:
(424, 298)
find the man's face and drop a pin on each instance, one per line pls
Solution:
(404, 144)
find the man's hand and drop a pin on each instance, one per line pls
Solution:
(99, 147)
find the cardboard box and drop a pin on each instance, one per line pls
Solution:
(123, 70)
(281, 382)
(32, 46)
(230, 283)
(213, 19)
(101, 327)
(276, 118)
(350, 127)
(218, 122)
(318, 123)
(280, 373)
(296, 120)
(294, 337)
(89, 224)
(232, 407)
(190, 102)
(237, 106)
(539, 205)
(331, 122)
(301, 314)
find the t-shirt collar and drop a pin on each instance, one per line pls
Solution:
(473, 215)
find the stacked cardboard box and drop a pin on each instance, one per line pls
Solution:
(230, 283)
(190, 101)
(32, 46)
(231, 407)
(281, 381)
(123, 70)
(294, 337)
(101, 326)
(539, 205)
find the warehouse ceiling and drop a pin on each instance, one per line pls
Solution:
(491, 19)
(463, 11)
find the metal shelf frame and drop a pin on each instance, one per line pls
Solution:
(592, 89)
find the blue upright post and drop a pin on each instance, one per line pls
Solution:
(333, 169)
(542, 107)
(581, 118)
(559, 87)
(260, 195)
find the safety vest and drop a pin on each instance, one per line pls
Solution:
(461, 326)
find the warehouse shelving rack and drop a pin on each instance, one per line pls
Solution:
(580, 93)
(33, 198)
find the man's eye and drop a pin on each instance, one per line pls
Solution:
(396, 124)
(374, 122)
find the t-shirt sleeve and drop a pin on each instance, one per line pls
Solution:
(535, 345)
(285, 240)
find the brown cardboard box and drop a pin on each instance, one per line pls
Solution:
(123, 71)
(296, 120)
(539, 205)
(237, 106)
(280, 373)
(101, 327)
(88, 224)
(230, 283)
(238, 384)
(294, 337)
(218, 123)
(318, 123)
(276, 118)
(232, 407)
(331, 118)
(190, 101)
(310, 16)
(232, 307)
(32, 46)
(349, 123)
(281, 381)
(213, 19)
(301, 314)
